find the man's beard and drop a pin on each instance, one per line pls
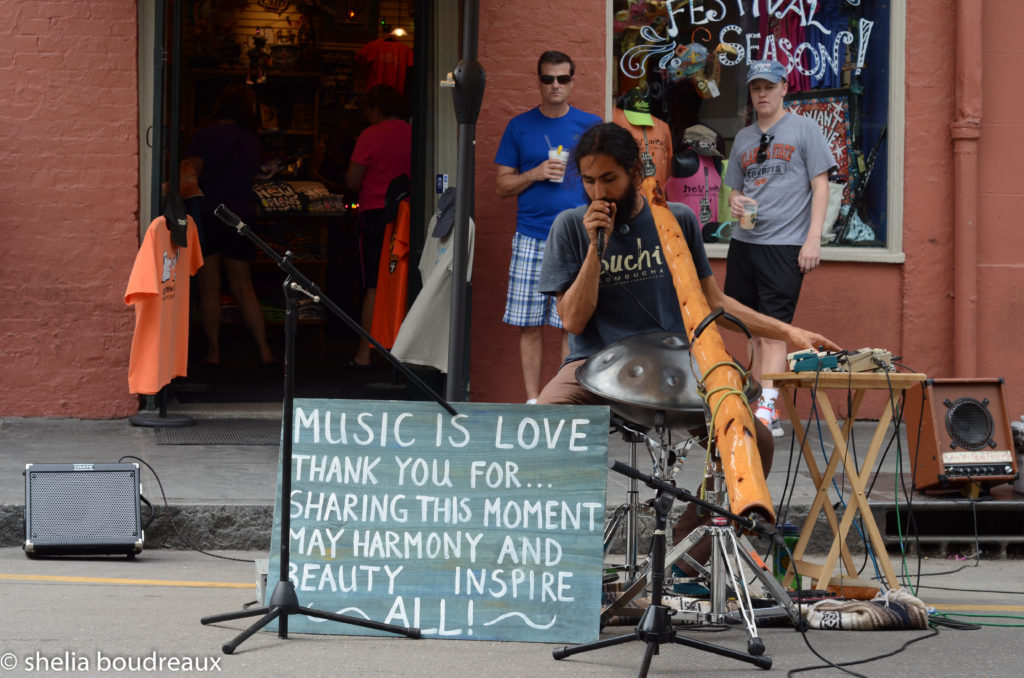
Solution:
(625, 205)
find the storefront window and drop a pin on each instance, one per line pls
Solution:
(689, 60)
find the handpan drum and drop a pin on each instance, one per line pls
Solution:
(648, 380)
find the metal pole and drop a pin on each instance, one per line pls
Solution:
(468, 95)
(159, 61)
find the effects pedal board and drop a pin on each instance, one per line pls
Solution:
(861, 360)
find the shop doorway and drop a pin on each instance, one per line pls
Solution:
(310, 69)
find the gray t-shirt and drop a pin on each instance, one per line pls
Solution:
(635, 294)
(781, 185)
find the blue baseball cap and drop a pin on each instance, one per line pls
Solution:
(769, 70)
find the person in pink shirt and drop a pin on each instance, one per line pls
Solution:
(383, 152)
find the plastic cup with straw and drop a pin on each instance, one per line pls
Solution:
(559, 155)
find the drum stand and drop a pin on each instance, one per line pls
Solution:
(630, 510)
(727, 576)
(655, 626)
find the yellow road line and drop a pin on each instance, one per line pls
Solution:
(133, 582)
(981, 607)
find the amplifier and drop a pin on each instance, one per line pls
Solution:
(959, 433)
(82, 509)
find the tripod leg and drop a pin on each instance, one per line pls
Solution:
(733, 564)
(241, 614)
(409, 632)
(611, 528)
(775, 588)
(760, 662)
(649, 652)
(273, 614)
(563, 652)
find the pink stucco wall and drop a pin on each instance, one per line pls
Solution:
(512, 37)
(70, 189)
(1001, 200)
(68, 206)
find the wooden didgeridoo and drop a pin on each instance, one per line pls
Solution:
(734, 423)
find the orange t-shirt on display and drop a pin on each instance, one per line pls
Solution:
(159, 290)
(389, 308)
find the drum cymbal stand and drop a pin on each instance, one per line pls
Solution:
(727, 575)
(728, 572)
(666, 460)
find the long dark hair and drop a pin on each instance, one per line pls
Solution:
(387, 100)
(610, 139)
(238, 103)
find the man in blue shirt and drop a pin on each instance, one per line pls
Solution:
(530, 170)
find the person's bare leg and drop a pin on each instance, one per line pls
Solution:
(773, 359)
(531, 355)
(362, 356)
(239, 277)
(565, 345)
(208, 282)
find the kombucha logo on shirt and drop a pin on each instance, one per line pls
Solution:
(643, 264)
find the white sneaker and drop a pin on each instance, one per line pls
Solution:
(533, 401)
(764, 414)
(776, 428)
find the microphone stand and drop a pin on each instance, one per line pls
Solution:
(655, 626)
(283, 601)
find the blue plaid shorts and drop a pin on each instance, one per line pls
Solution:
(524, 305)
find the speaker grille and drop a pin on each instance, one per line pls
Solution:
(76, 506)
(968, 423)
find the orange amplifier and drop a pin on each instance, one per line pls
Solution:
(959, 433)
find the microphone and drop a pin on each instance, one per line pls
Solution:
(770, 532)
(627, 470)
(600, 242)
(228, 217)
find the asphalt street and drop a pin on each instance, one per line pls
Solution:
(112, 616)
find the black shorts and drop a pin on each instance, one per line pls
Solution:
(372, 224)
(216, 237)
(766, 278)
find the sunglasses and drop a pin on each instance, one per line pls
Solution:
(762, 149)
(562, 79)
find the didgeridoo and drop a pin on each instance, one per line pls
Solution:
(733, 421)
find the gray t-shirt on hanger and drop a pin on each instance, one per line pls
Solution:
(781, 184)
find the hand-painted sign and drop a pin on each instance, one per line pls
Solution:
(486, 525)
(677, 51)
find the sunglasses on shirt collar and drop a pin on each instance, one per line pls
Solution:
(762, 149)
(562, 79)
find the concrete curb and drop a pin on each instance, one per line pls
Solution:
(249, 528)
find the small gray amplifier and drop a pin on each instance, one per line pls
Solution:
(82, 509)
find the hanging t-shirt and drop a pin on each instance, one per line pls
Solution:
(386, 150)
(388, 60)
(656, 141)
(699, 191)
(159, 290)
(392, 279)
(424, 335)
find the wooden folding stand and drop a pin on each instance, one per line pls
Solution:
(856, 479)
